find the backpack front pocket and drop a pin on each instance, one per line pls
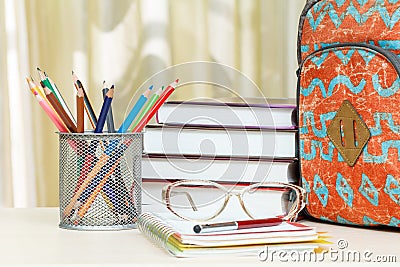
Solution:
(349, 134)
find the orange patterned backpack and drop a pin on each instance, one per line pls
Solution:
(349, 110)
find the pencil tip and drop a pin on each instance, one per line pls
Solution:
(38, 69)
(80, 92)
(112, 87)
(75, 78)
(151, 87)
(104, 82)
(160, 90)
(177, 80)
(79, 83)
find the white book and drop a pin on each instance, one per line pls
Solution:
(233, 112)
(230, 142)
(219, 169)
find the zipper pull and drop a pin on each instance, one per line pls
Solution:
(298, 71)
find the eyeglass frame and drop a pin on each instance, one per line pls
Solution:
(297, 206)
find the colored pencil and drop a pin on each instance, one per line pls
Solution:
(109, 195)
(110, 117)
(163, 97)
(102, 166)
(59, 97)
(59, 109)
(149, 104)
(44, 81)
(134, 111)
(88, 106)
(92, 197)
(80, 111)
(88, 163)
(47, 108)
(90, 176)
(91, 191)
(109, 189)
(104, 110)
(124, 202)
(35, 88)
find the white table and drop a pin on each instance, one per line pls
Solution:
(32, 236)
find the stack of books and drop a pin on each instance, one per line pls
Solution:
(234, 141)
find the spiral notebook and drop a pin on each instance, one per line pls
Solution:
(177, 237)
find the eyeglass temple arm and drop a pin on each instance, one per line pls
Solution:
(296, 207)
(188, 196)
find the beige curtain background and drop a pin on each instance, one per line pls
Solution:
(122, 42)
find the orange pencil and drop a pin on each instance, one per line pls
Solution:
(103, 165)
(80, 112)
(91, 175)
(60, 110)
(82, 211)
(46, 107)
(88, 106)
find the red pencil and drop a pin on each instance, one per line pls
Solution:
(236, 225)
(164, 96)
(80, 111)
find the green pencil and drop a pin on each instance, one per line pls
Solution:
(153, 99)
(47, 83)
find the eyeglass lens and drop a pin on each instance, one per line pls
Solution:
(197, 202)
(265, 202)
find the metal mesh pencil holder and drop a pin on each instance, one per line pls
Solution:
(100, 180)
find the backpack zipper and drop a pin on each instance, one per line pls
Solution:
(309, 5)
(392, 57)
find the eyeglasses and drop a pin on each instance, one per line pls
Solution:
(202, 200)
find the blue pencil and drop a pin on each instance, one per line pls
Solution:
(110, 117)
(134, 111)
(104, 110)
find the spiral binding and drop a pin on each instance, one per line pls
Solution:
(155, 229)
